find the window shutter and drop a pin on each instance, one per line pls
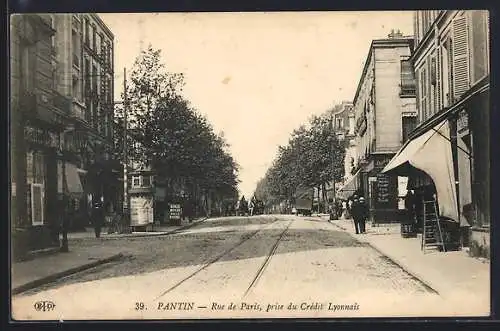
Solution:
(479, 36)
(460, 56)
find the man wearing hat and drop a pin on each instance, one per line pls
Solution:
(354, 210)
(362, 214)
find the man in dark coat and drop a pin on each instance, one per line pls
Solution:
(98, 218)
(362, 213)
(354, 210)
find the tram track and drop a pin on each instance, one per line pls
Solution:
(262, 268)
(217, 258)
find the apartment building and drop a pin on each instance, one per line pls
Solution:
(54, 149)
(88, 77)
(384, 111)
(343, 126)
(448, 153)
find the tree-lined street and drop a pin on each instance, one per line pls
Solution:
(258, 260)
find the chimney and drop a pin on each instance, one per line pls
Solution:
(395, 34)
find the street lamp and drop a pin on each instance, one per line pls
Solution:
(64, 245)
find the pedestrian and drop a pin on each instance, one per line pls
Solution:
(354, 209)
(251, 206)
(97, 218)
(363, 214)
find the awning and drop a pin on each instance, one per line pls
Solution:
(431, 153)
(351, 186)
(73, 182)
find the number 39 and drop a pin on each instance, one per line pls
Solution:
(139, 306)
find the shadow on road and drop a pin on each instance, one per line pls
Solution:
(187, 249)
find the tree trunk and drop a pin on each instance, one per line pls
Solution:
(325, 198)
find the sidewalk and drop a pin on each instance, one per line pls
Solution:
(42, 270)
(45, 269)
(157, 230)
(451, 274)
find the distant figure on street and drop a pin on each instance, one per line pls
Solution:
(354, 210)
(338, 209)
(97, 218)
(362, 214)
(251, 206)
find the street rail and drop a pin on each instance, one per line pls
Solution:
(217, 258)
(260, 272)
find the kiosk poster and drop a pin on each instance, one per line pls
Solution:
(175, 211)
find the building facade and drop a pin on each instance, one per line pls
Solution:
(451, 63)
(53, 140)
(343, 126)
(384, 111)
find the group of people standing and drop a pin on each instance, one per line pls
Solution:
(359, 212)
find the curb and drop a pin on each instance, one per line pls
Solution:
(140, 235)
(151, 234)
(428, 284)
(51, 278)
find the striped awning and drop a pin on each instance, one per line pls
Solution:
(351, 186)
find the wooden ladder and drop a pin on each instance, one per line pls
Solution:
(432, 234)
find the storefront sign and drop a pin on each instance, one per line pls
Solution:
(41, 137)
(175, 211)
(141, 210)
(381, 162)
(463, 123)
(409, 113)
(383, 182)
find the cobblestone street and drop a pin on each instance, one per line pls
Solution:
(260, 260)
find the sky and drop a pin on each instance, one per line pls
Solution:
(257, 76)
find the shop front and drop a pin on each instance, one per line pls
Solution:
(447, 158)
(473, 161)
(427, 160)
(382, 191)
(41, 187)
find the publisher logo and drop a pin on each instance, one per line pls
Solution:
(44, 305)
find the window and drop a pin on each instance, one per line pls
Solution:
(479, 44)
(433, 85)
(109, 54)
(339, 123)
(408, 124)
(461, 53)
(86, 33)
(146, 181)
(76, 49)
(407, 78)
(423, 94)
(94, 37)
(445, 73)
(53, 37)
(136, 181)
(76, 86)
(98, 44)
(28, 68)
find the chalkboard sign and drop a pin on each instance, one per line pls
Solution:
(383, 194)
(175, 211)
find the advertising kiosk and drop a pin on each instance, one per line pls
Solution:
(141, 201)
